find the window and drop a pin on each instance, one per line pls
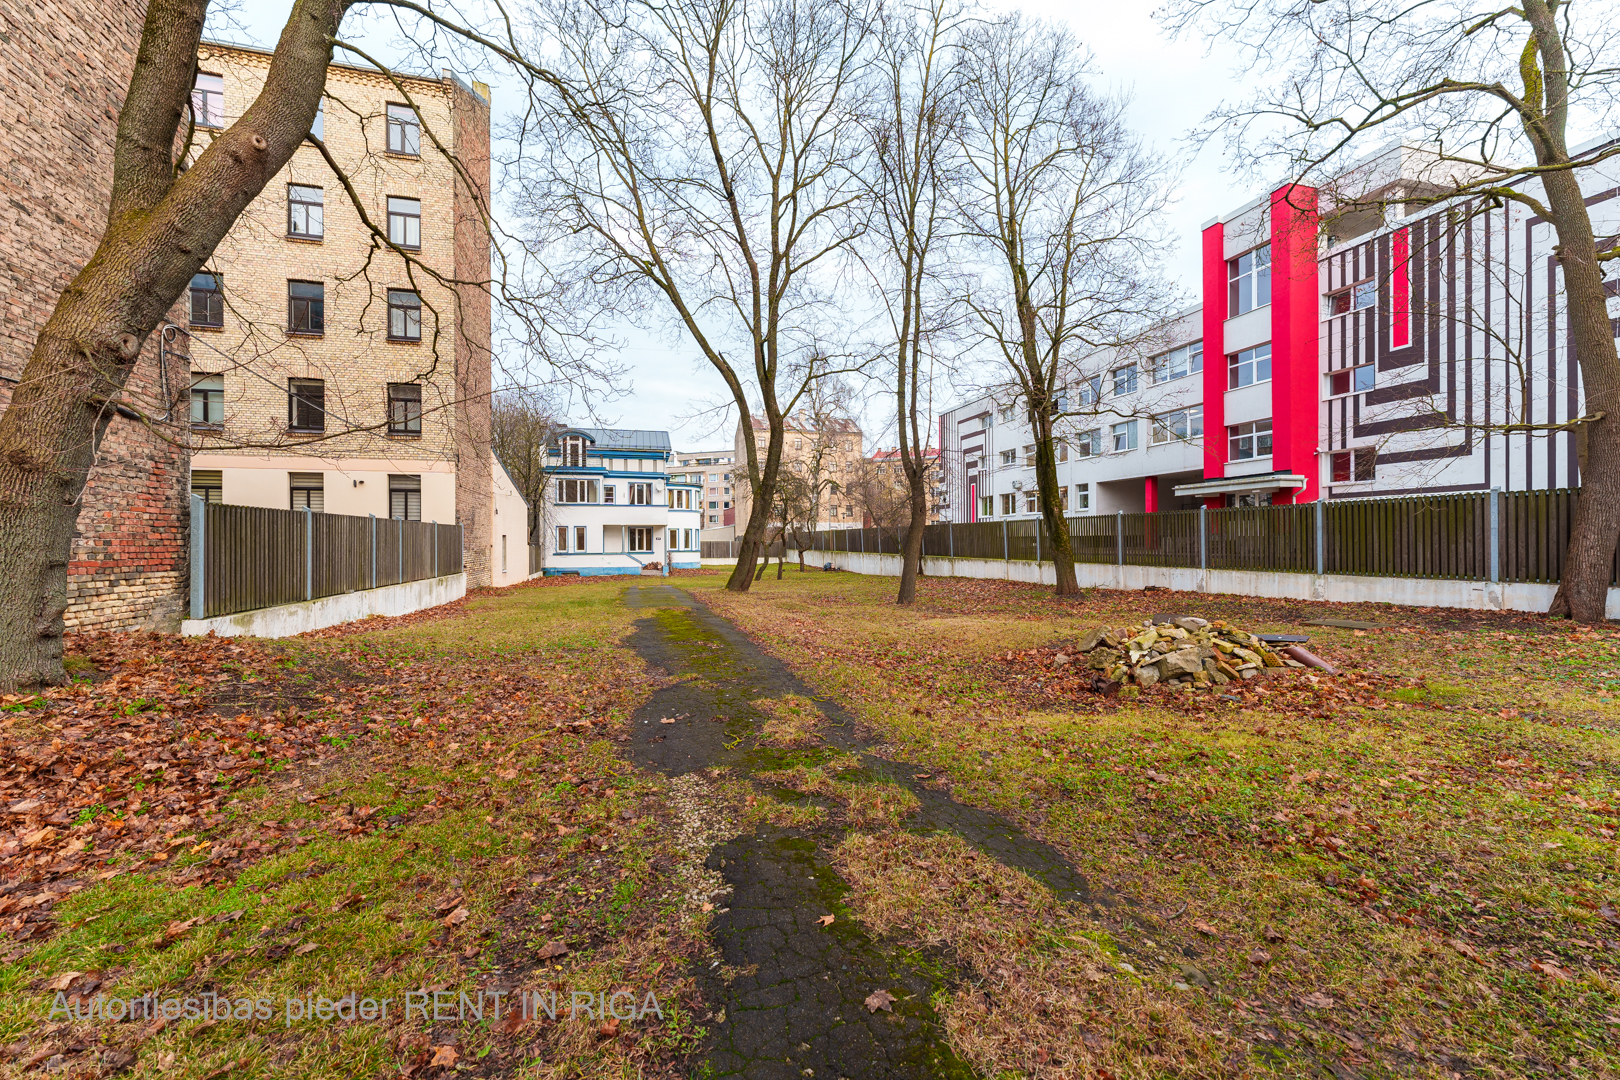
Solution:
(1357, 297)
(306, 307)
(405, 498)
(404, 315)
(1006, 413)
(674, 539)
(1248, 367)
(714, 504)
(207, 301)
(576, 491)
(318, 128)
(562, 538)
(306, 405)
(1029, 501)
(1089, 443)
(308, 491)
(798, 444)
(1029, 455)
(1249, 440)
(207, 400)
(405, 222)
(1009, 457)
(1124, 380)
(404, 409)
(1178, 363)
(1356, 380)
(306, 208)
(691, 539)
(208, 485)
(987, 505)
(1082, 496)
(641, 538)
(641, 494)
(1356, 465)
(1181, 425)
(208, 101)
(1248, 281)
(608, 494)
(680, 500)
(573, 450)
(1124, 436)
(503, 553)
(404, 130)
(1009, 503)
(1062, 450)
(1089, 391)
(1063, 498)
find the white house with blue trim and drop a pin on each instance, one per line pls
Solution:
(611, 508)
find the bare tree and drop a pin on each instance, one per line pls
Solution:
(696, 162)
(523, 425)
(1060, 205)
(913, 168)
(1489, 90)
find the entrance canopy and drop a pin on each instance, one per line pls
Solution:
(1253, 484)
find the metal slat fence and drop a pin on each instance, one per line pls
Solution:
(1426, 536)
(250, 557)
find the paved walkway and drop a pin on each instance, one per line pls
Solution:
(799, 1012)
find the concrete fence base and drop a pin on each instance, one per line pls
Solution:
(1336, 588)
(290, 619)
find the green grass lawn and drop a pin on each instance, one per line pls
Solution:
(1404, 869)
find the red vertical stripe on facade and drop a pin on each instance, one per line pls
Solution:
(1214, 353)
(1296, 383)
(1400, 290)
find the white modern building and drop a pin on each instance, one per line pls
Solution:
(712, 470)
(613, 508)
(1383, 346)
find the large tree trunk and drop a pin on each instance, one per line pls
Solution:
(1051, 500)
(162, 225)
(911, 552)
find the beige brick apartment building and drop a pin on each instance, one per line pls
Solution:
(830, 450)
(329, 370)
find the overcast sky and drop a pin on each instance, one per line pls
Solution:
(1171, 84)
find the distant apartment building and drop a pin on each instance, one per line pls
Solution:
(612, 506)
(830, 451)
(328, 370)
(712, 470)
(887, 493)
(1367, 346)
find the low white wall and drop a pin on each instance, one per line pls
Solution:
(1337, 588)
(290, 619)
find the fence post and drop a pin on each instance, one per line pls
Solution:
(373, 550)
(1203, 538)
(1040, 527)
(435, 524)
(1496, 535)
(1005, 556)
(1119, 535)
(399, 556)
(1321, 535)
(309, 554)
(199, 555)
(950, 536)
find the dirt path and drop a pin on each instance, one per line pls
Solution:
(793, 1005)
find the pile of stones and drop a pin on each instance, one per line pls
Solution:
(1188, 652)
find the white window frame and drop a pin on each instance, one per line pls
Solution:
(1124, 430)
(1178, 363)
(1248, 436)
(1248, 367)
(1248, 281)
(1182, 425)
(1352, 380)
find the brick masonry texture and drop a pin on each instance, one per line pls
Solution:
(72, 63)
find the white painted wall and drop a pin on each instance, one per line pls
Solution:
(290, 619)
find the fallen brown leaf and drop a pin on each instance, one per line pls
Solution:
(1259, 957)
(551, 949)
(1317, 1000)
(825, 920)
(456, 917)
(63, 981)
(880, 999)
(443, 1056)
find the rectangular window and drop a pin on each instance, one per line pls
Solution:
(1124, 380)
(1082, 496)
(1009, 503)
(207, 400)
(1400, 289)
(1062, 450)
(208, 485)
(1355, 466)
(641, 538)
(1356, 380)
(1063, 498)
(1248, 279)
(306, 307)
(562, 538)
(1249, 440)
(1089, 391)
(1009, 457)
(609, 494)
(1178, 363)
(1124, 436)
(1089, 443)
(1357, 297)
(674, 539)
(404, 131)
(404, 315)
(207, 301)
(1029, 455)
(308, 491)
(641, 494)
(987, 506)
(1248, 367)
(208, 100)
(576, 491)
(306, 405)
(503, 553)
(405, 498)
(404, 409)
(1029, 502)
(1179, 426)
(306, 207)
(405, 222)
(1007, 413)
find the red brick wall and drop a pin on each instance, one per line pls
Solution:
(68, 66)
